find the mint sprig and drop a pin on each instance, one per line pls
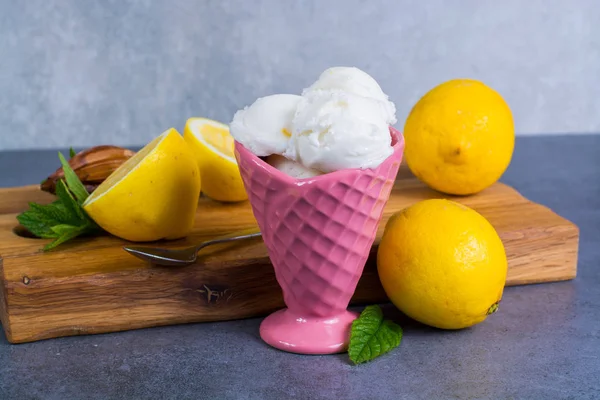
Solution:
(371, 336)
(63, 219)
(73, 181)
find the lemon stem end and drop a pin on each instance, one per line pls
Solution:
(493, 308)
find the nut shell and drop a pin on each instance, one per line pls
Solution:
(92, 166)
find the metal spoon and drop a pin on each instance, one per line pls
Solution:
(182, 257)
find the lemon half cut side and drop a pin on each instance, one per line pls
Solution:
(153, 195)
(213, 147)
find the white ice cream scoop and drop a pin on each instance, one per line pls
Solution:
(334, 130)
(341, 121)
(264, 127)
(291, 168)
(354, 81)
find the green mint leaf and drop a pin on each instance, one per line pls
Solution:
(67, 232)
(64, 219)
(59, 207)
(48, 214)
(32, 221)
(71, 152)
(39, 219)
(371, 336)
(64, 228)
(77, 214)
(69, 203)
(73, 182)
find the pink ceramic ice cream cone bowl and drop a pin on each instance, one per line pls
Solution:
(318, 232)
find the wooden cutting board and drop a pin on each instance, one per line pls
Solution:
(93, 286)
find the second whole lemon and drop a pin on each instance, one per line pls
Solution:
(442, 263)
(459, 137)
(152, 196)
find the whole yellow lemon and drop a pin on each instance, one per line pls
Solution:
(442, 264)
(459, 137)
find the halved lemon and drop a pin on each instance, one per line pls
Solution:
(153, 195)
(213, 146)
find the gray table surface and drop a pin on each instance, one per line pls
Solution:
(544, 343)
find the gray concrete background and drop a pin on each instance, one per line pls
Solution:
(79, 73)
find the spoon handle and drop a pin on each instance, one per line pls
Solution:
(245, 234)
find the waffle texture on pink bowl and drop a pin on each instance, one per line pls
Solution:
(318, 232)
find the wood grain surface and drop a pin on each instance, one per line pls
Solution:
(93, 286)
